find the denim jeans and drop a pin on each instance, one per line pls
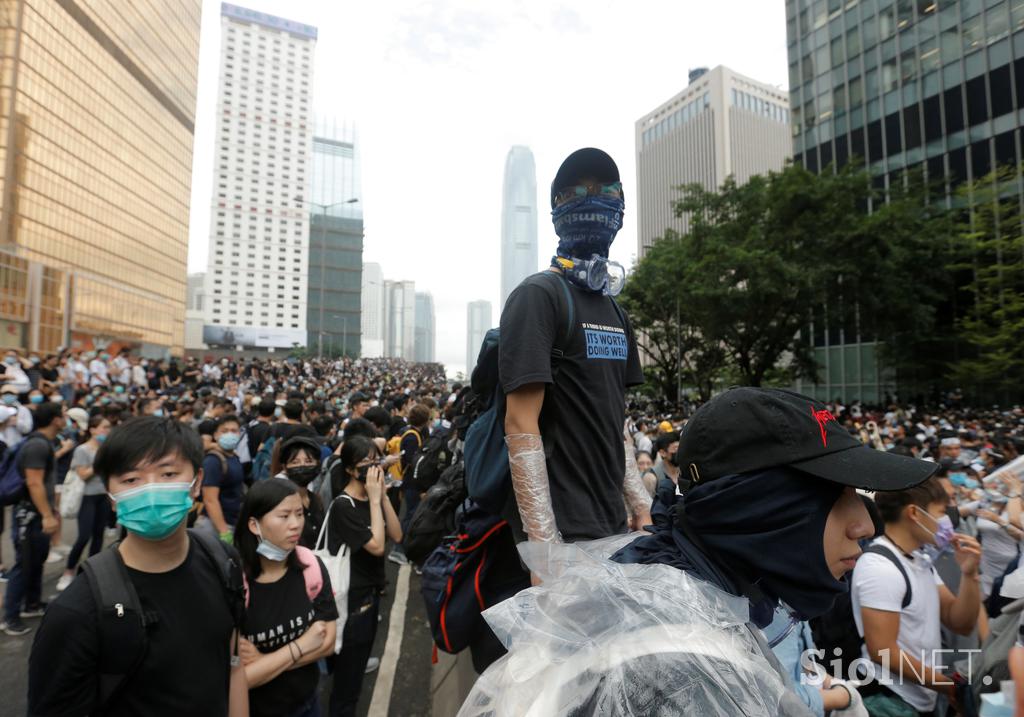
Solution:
(31, 546)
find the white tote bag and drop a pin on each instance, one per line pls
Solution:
(71, 495)
(338, 571)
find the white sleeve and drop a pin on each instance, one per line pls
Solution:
(938, 579)
(879, 584)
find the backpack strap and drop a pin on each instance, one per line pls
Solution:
(882, 550)
(229, 568)
(122, 624)
(310, 571)
(560, 347)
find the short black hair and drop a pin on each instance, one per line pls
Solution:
(359, 427)
(146, 439)
(266, 407)
(379, 417)
(229, 418)
(662, 442)
(45, 414)
(293, 409)
(891, 503)
(323, 425)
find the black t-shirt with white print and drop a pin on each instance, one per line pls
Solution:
(278, 613)
(584, 406)
(350, 524)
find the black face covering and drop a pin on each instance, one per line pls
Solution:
(768, 527)
(302, 475)
(363, 473)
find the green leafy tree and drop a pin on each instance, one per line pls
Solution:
(991, 252)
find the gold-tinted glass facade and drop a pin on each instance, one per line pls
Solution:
(96, 153)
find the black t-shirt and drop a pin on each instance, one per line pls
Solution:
(314, 514)
(186, 670)
(585, 406)
(350, 524)
(49, 374)
(36, 452)
(278, 613)
(231, 485)
(153, 376)
(258, 433)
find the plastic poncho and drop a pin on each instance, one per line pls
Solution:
(604, 638)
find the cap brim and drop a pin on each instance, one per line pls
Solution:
(864, 467)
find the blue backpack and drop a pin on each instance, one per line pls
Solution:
(488, 478)
(261, 461)
(12, 482)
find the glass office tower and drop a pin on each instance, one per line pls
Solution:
(97, 111)
(912, 84)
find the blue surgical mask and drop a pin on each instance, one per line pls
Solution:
(100, 437)
(11, 361)
(9, 399)
(587, 225)
(155, 510)
(229, 441)
(270, 551)
(159, 413)
(971, 483)
(35, 399)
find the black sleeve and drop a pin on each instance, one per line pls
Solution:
(35, 454)
(213, 476)
(62, 672)
(347, 526)
(528, 333)
(634, 372)
(324, 606)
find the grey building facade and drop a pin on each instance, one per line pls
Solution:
(518, 219)
(933, 85)
(425, 331)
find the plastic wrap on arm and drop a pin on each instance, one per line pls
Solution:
(602, 638)
(529, 469)
(633, 489)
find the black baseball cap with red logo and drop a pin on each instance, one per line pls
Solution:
(750, 429)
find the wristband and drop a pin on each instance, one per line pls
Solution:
(227, 537)
(291, 653)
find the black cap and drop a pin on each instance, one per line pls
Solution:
(358, 397)
(586, 162)
(750, 429)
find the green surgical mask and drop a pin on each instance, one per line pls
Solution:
(155, 510)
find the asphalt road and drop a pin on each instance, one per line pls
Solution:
(404, 692)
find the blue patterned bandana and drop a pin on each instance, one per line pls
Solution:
(587, 226)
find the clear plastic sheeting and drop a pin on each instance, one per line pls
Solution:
(601, 638)
(528, 465)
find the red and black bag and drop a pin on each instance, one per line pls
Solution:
(467, 573)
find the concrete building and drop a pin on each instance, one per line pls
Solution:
(722, 124)
(373, 321)
(518, 220)
(333, 319)
(478, 320)
(259, 235)
(97, 122)
(400, 317)
(195, 297)
(425, 329)
(932, 85)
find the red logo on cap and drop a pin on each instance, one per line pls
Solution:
(822, 417)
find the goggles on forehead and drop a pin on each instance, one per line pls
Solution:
(594, 274)
(611, 190)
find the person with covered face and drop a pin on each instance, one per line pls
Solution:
(567, 355)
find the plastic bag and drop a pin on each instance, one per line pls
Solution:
(599, 637)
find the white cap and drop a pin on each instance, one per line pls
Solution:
(947, 442)
(7, 412)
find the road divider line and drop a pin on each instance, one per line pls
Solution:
(381, 701)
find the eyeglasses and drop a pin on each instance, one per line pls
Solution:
(613, 190)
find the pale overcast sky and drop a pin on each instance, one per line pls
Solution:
(441, 89)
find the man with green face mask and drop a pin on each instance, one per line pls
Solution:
(180, 658)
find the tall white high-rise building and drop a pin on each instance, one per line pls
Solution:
(425, 329)
(373, 322)
(518, 220)
(478, 321)
(400, 319)
(256, 281)
(722, 124)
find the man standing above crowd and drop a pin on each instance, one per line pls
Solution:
(565, 445)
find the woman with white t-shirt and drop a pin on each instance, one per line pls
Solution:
(999, 537)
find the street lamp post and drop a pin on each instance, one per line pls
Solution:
(323, 242)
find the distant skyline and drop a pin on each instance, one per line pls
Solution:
(518, 220)
(440, 91)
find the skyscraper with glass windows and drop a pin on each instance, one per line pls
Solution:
(425, 330)
(335, 240)
(478, 321)
(97, 117)
(936, 85)
(518, 220)
(723, 124)
(258, 263)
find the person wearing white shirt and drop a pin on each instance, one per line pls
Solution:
(99, 375)
(904, 642)
(139, 373)
(14, 374)
(78, 372)
(122, 368)
(17, 425)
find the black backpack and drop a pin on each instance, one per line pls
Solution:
(432, 459)
(837, 630)
(123, 625)
(434, 518)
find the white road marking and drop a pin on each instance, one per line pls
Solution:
(392, 648)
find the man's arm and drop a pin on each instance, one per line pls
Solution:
(238, 694)
(34, 482)
(638, 500)
(527, 462)
(960, 613)
(881, 629)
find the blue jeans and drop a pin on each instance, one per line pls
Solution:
(92, 519)
(31, 546)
